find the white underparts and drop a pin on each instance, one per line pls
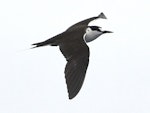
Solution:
(91, 35)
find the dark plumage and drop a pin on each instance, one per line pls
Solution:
(72, 45)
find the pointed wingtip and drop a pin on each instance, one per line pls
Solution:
(101, 15)
(71, 96)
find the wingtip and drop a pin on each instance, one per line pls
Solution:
(71, 96)
(101, 15)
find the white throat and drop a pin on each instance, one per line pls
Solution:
(91, 35)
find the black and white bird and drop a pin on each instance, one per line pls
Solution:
(72, 44)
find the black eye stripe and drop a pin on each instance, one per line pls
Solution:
(95, 28)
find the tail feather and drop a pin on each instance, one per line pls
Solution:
(38, 44)
(45, 43)
(54, 41)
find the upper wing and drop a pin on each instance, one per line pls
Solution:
(87, 21)
(77, 55)
(75, 73)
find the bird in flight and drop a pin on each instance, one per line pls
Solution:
(72, 44)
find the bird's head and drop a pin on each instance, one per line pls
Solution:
(93, 32)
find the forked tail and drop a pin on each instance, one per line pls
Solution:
(51, 41)
(40, 44)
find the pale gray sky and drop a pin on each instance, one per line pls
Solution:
(118, 76)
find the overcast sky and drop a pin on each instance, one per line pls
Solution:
(118, 76)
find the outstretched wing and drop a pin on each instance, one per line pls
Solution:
(77, 55)
(87, 21)
(75, 73)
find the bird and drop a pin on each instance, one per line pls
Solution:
(73, 45)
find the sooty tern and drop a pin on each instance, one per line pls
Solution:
(72, 44)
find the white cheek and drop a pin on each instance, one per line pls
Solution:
(91, 35)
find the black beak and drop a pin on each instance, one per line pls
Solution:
(107, 32)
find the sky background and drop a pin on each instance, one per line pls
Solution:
(118, 76)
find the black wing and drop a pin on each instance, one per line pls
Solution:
(87, 21)
(77, 55)
(75, 73)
